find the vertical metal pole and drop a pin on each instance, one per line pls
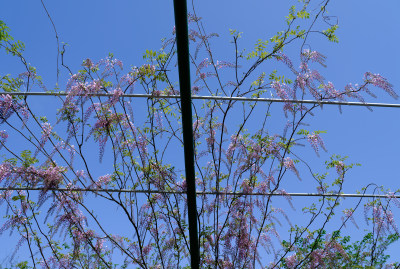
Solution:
(181, 26)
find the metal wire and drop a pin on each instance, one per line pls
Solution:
(222, 98)
(298, 194)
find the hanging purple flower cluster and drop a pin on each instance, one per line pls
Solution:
(9, 106)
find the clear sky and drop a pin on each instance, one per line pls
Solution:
(368, 41)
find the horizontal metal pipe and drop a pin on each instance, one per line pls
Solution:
(204, 97)
(297, 194)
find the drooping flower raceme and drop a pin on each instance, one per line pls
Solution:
(316, 142)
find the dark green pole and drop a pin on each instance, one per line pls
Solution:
(181, 27)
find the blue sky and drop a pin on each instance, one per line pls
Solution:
(368, 41)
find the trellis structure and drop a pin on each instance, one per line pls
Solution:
(185, 97)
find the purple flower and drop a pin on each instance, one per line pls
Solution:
(349, 214)
(3, 138)
(291, 261)
(103, 180)
(381, 82)
(6, 107)
(52, 176)
(211, 138)
(203, 64)
(46, 131)
(339, 168)
(223, 64)
(316, 142)
(195, 89)
(289, 164)
(285, 59)
(246, 186)
(5, 171)
(87, 63)
(117, 93)
(313, 56)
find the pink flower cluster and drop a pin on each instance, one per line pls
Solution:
(211, 138)
(88, 63)
(285, 93)
(382, 218)
(288, 163)
(116, 94)
(102, 181)
(348, 214)
(48, 177)
(316, 142)
(8, 106)
(224, 64)
(246, 186)
(203, 64)
(52, 176)
(339, 168)
(3, 138)
(314, 56)
(381, 82)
